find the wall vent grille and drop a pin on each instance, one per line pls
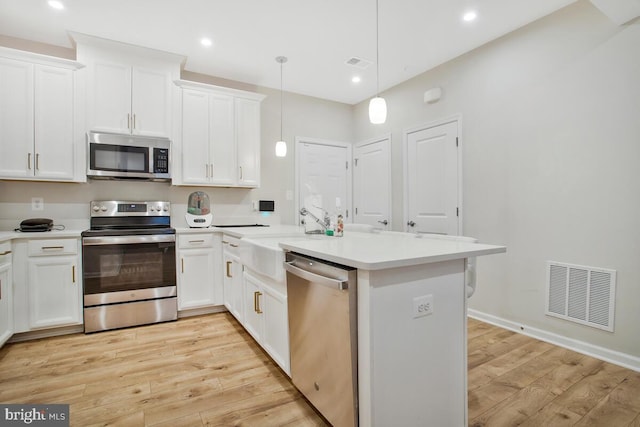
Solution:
(358, 62)
(581, 294)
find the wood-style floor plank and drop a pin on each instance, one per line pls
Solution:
(207, 371)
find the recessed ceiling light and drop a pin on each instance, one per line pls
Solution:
(206, 42)
(355, 79)
(469, 16)
(56, 4)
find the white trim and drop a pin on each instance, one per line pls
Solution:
(381, 138)
(306, 140)
(457, 118)
(188, 84)
(618, 358)
(38, 58)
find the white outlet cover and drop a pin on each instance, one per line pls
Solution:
(37, 204)
(422, 306)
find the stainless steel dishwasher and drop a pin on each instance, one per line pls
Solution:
(323, 335)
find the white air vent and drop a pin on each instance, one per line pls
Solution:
(581, 294)
(358, 62)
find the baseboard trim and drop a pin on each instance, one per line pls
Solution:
(617, 358)
(201, 310)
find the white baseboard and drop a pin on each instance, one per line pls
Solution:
(611, 356)
(201, 310)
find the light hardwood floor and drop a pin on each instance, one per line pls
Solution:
(206, 370)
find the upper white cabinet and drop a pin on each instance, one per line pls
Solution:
(129, 89)
(219, 140)
(41, 137)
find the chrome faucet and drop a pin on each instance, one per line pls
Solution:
(325, 223)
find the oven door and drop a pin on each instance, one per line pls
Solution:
(128, 268)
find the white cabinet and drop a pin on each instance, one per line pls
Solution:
(40, 137)
(266, 317)
(6, 293)
(129, 89)
(232, 270)
(54, 283)
(219, 141)
(198, 269)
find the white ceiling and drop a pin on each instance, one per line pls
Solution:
(317, 36)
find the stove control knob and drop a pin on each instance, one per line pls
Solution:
(158, 208)
(166, 209)
(103, 208)
(151, 208)
(96, 208)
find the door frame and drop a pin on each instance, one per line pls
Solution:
(307, 140)
(456, 118)
(384, 137)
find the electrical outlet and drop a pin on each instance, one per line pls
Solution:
(37, 204)
(422, 306)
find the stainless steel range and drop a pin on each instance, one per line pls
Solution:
(129, 265)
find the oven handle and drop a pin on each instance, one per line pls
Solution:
(127, 240)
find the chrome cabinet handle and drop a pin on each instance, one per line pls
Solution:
(385, 222)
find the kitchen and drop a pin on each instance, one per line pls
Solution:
(535, 103)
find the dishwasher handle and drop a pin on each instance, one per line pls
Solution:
(316, 278)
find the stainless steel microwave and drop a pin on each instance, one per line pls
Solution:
(113, 156)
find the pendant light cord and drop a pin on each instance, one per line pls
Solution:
(281, 62)
(377, 54)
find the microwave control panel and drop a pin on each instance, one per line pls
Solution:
(160, 160)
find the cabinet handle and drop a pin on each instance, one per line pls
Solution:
(211, 164)
(182, 265)
(73, 273)
(29, 161)
(240, 172)
(52, 248)
(5, 253)
(128, 121)
(228, 271)
(206, 165)
(37, 161)
(134, 121)
(0, 289)
(256, 302)
(196, 241)
(224, 242)
(233, 246)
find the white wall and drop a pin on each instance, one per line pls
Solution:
(551, 145)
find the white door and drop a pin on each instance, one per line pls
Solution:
(431, 177)
(110, 97)
(372, 183)
(195, 137)
(248, 141)
(323, 169)
(151, 102)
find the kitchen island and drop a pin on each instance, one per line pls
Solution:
(411, 323)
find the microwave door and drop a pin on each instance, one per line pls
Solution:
(109, 160)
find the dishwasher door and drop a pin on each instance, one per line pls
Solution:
(323, 336)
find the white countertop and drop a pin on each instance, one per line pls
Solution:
(53, 234)
(240, 232)
(377, 251)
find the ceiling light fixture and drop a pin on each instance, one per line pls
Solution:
(377, 105)
(281, 145)
(206, 42)
(56, 4)
(470, 16)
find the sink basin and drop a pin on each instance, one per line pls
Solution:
(264, 256)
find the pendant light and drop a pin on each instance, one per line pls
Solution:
(377, 105)
(281, 145)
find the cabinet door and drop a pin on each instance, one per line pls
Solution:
(223, 147)
(110, 97)
(248, 141)
(54, 291)
(276, 328)
(195, 137)
(253, 314)
(151, 102)
(195, 281)
(6, 304)
(233, 286)
(16, 119)
(54, 141)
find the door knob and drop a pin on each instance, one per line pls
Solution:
(411, 223)
(385, 222)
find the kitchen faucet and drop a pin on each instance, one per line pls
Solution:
(325, 223)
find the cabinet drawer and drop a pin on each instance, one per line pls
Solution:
(195, 240)
(47, 247)
(231, 244)
(5, 252)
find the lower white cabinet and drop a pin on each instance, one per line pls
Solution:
(232, 277)
(53, 285)
(266, 317)
(6, 294)
(198, 269)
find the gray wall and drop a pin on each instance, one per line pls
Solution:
(551, 144)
